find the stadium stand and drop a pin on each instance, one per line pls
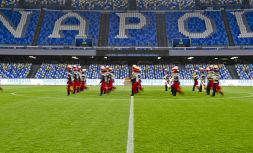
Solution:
(45, 2)
(187, 70)
(70, 25)
(221, 2)
(241, 25)
(51, 71)
(9, 3)
(141, 31)
(18, 26)
(203, 28)
(166, 4)
(14, 70)
(100, 4)
(245, 71)
(120, 71)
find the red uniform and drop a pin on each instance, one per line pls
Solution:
(104, 84)
(216, 84)
(69, 80)
(195, 79)
(136, 80)
(135, 83)
(175, 87)
(111, 80)
(83, 80)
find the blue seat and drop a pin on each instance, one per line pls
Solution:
(13, 17)
(136, 37)
(235, 27)
(68, 36)
(196, 25)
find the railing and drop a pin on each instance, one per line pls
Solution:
(129, 47)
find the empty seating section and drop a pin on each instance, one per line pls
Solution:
(165, 4)
(45, 2)
(221, 2)
(139, 30)
(100, 4)
(245, 71)
(203, 28)
(148, 71)
(63, 27)
(187, 70)
(51, 71)
(94, 71)
(17, 27)
(120, 71)
(156, 71)
(123, 4)
(9, 3)
(241, 27)
(14, 70)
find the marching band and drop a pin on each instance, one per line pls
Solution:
(76, 80)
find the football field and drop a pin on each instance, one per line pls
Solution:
(43, 119)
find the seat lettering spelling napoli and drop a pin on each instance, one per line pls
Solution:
(18, 31)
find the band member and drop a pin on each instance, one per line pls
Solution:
(195, 79)
(78, 72)
(111, 79)
(209, 71)
(69, 79)
(216, 78)
(134, 79)
(104, 81)
(202, 80)
(75, 78)
(175, 87)
(166, 79)
(140, 88)
(83, 79)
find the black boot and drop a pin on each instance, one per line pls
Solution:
(208, 88)
(101, 92)
(193, 88)
(214, 89)
(132, 93)
(200, 88)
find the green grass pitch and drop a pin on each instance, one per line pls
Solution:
(43, 119)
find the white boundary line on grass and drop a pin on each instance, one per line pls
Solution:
(249, 95)
(130, 139)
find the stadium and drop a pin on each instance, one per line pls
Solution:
(134, 76)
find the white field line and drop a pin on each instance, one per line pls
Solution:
(130, 139)
(169, 98)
